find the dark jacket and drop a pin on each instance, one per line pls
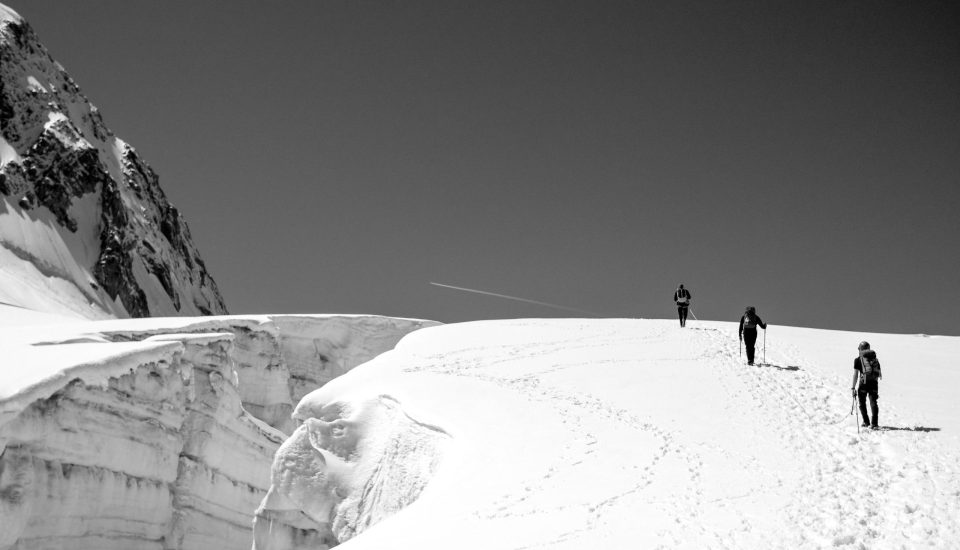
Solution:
(750, 321)
(679, 294)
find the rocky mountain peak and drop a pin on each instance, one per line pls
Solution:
(84, 226)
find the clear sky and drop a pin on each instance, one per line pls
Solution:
(336, 156)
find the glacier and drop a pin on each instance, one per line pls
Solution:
(158, 433)
(283, 432)
(623, 433)
(555, 433)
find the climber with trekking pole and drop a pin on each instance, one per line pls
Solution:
(748, 332)
(866, 382)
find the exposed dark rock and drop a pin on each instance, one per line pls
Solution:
(60, 173)
(114, 269)
(15, 182)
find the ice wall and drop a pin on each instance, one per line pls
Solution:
(133, 434)
(147, 449)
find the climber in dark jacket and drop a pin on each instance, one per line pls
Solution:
(682, 298)
(865, 384)
(748, 330)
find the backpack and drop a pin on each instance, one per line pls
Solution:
(683, 297)
(870, 366)
(750, 318)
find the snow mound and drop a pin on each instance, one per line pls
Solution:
(624, 434)
(349, 465)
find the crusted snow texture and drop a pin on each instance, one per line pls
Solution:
(145, 442)
(82, 216)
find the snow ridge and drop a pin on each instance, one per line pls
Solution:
(7, 14)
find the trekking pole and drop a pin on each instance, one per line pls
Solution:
(853, 407)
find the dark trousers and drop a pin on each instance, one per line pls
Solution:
(750, 340)
(872, 389)
(682, 311)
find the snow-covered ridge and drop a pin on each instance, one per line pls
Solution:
(623, 434)
(7, 14)
(84, 225)
(278, 358)
(133, 433)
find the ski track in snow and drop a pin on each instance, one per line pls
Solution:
(887, 489)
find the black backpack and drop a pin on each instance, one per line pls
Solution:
(870, 366)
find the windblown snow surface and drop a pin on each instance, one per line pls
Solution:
(626, 434)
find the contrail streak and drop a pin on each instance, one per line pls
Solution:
(539, 303)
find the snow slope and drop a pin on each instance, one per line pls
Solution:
(622, 434)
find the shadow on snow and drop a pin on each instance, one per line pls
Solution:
(771, 365)
(908, 429)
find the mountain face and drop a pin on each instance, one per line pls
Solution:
(84, 224)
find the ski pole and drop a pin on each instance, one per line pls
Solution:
(694, 314)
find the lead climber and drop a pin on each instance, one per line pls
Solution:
(682, 298)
